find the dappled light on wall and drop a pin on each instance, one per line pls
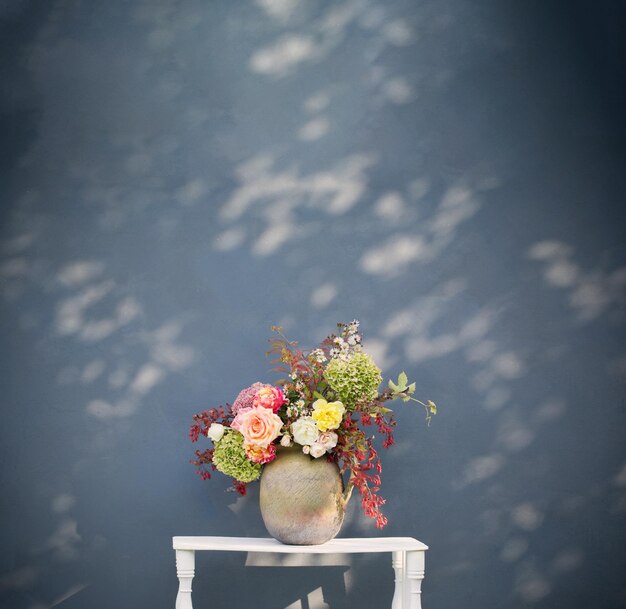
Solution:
(181, 176)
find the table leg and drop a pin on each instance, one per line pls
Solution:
(185, 563)
(398, 562)
(414, 576)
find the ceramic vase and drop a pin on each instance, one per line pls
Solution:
(302, 499)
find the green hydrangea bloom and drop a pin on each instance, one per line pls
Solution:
(356, 379)
(230, 458)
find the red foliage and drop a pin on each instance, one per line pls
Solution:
(240, 487)
(356, 454)
(201, 424)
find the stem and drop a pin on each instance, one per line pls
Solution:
(428, 415)
(426, 408)
(385, 396)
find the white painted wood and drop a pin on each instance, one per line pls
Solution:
(185, 567)
(407, 560)
(398, 563)
(266, 544)
(414, 576)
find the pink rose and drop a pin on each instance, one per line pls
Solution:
(328, 440)
(236, 422)
(259, 426)
(270, 397)
(317, 450)
(260, 454)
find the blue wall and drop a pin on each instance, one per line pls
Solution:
(178, 176)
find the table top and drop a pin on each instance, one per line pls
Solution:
(266, 544)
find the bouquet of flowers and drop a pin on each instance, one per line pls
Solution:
(325, 406)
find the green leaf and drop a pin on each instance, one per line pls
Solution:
(402, 379)
(393, 386)
(318, 395)
(411, 388)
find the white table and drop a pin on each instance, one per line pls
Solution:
(407, 560)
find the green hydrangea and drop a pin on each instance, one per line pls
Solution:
(355, 379)
(230, 458)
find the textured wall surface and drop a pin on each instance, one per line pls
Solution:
(179, 175)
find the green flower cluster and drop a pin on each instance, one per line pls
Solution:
(230, 458)
(355, 379)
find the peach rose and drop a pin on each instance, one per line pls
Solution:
(270, 397)
(260, 454)
(259, 426)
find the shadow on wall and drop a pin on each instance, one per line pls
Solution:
(184, 176)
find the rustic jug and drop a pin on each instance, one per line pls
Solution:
(302, 499)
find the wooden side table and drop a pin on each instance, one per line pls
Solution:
(407, 560)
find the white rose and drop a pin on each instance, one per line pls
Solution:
(216, 431)
(328, 440)
(304, 430)
(317, 450)
(285, 440)
(306, 449)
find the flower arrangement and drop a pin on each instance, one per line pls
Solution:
(325, 406)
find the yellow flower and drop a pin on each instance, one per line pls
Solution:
(327, 415)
